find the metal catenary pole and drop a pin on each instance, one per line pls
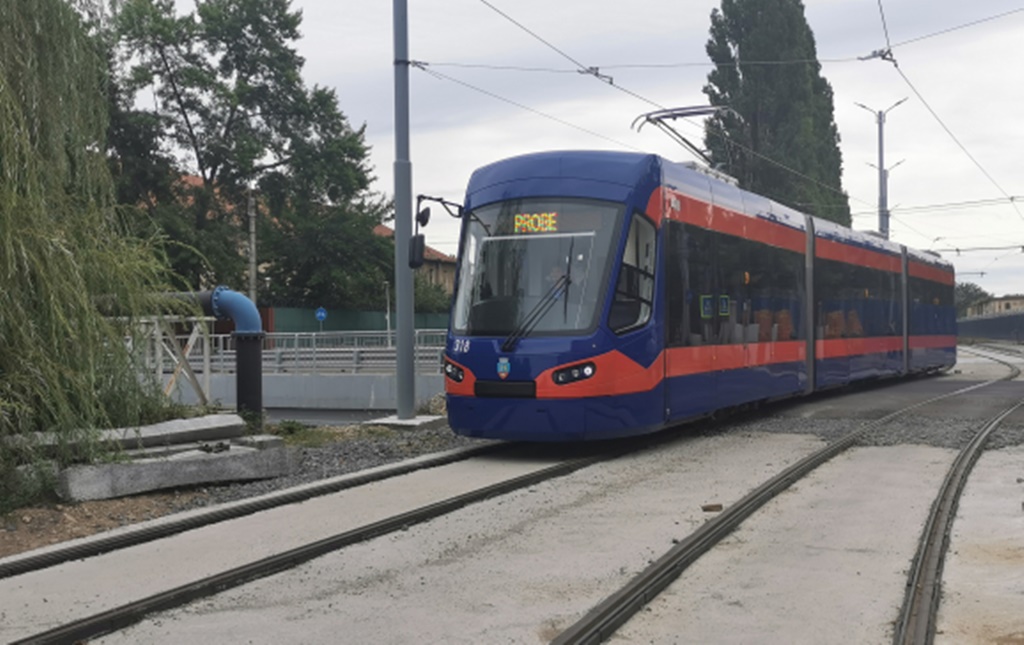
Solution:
(883, 174)
(403, 218)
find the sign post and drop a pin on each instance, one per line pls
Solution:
(321, 315)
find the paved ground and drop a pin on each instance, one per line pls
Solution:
(824, 562)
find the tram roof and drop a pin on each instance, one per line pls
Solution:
(616, 174)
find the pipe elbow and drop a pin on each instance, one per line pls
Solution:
(226, 303)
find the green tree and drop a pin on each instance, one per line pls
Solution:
(235, 110)
(778, 137)
(966, 294)
(430, 298)
(328, 255)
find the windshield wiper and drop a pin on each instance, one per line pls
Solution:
(568, 276)
(523, 329)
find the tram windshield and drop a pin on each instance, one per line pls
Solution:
(535, 266)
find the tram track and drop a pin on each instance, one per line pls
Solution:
(605, 618)
(119, 617)
(699, 542)
(918, 617)
(175, 525)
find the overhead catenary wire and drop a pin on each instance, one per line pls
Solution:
(885, 27)
(594, 71)
(527, 30)
(887, 55)
(623, 66)
(580, 68)
(962, 147)
(424, 67)
(744, 63)
(958, 27)
(498, 97)
(902, 223)
(947, 206)
(973, 249)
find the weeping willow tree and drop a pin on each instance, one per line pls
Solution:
(65, 255)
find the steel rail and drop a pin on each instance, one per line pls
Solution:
(602, 621)
(916, 624)
(120, 617)
(144, 534)
(1000, 349)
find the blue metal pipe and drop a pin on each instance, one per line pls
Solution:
(226, 303)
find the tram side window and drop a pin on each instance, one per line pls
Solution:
(829, 278)
(855, 301)
(724, 289)
(931, 307)
(702, 282)
(634, 291)
(765, 287)
(677, 325)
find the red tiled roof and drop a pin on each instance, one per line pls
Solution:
(429, 253)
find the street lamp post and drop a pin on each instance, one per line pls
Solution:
(883, 174)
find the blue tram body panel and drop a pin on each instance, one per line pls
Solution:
(569, 322)
(555, 419)
(612, 176)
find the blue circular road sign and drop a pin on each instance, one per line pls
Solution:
(321, 314)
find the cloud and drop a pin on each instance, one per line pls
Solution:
(971, 77)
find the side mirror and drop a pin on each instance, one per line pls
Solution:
(417, 243)
(423, 216)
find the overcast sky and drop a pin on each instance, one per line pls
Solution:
(972, 78)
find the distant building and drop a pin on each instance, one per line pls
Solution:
(438, 268)
(996, 306)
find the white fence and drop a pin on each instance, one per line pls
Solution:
(330, 353)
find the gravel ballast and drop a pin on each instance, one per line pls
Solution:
(826, 416)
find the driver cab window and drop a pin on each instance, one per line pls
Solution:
(634, 290)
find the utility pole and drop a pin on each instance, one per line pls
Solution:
(406, 384)
(883, 174)
(252, 248)
(387, 311)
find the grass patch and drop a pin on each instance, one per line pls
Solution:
(300, 435)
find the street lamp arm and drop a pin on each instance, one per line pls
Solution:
(866, 108)
(894, 105)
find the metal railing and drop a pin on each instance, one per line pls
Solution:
(333, 352)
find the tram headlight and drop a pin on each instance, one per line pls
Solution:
(454, 372)
(574, 373)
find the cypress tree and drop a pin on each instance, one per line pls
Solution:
(779, 137)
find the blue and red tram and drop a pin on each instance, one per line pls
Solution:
(607, 294)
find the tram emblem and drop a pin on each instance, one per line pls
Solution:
(503, 368)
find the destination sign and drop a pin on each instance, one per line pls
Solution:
(536, 222)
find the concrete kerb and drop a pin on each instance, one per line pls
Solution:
(235, 463)
(425, 422)
(182, 452)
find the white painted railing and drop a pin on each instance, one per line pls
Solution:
(320, 353)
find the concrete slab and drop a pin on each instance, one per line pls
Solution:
(207, 428)
(233, 463)
(420, 421)
(211, 427)
(259, 441)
